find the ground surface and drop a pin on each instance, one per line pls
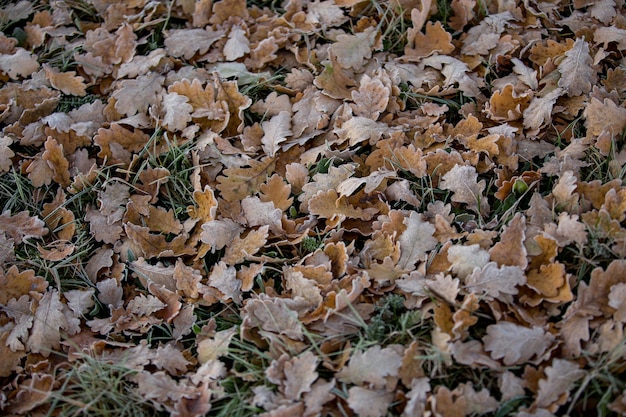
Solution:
(312, 208)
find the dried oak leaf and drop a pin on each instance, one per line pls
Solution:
(220, 233)
(213, 348)
(237, 44)
(177, 111)
(117, 143)
(241, 249)
(554, 388)
(465, 259)
(462, 180)
(434, 40)
(67, 82)
(224, 278)
(415, 241)
(352, 51)
(507, 105)
(238, 183)
(516, 344)
(277, 191)
(497, 282)
(367, 402)
(273, 315)
(188, 42)
(604, 116)
(54, 157)
(275, 131)
(21, 226)
(577, 73)
(372, 366)
(539, 111)
(510, 250)
(20, 311)
(295, 376)
(335, 81)
(258, 213)
(372, 97)
(330, 205)
(45, 335)
(18, 63)
(6, 153)
(147, 245)
(137, 95)
(31, 393)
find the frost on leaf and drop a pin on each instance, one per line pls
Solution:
(462, 180)
(188, 42)
(516, 344)
(45, 335)
(577, 73)
(371, 366)
(416, 240)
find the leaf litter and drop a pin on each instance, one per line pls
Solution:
(313, 208)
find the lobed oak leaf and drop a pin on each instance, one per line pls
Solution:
(220, 233)
(49, 320)
(118, 143)
(54, 157)
(371, 99)
(171, 359)
(577, 73)
(516, 344)
(271, 315)
(496, 282)
(148, 245)
(435, 40)
(213, 348)
(353, 50)
(32, 392)
(21, 226)
(464, 259)
(276, 131)
(277, 191)
(560, 376)
(224, 278)
(6, 153)
(335, 81)
(371, 366)
(539, 111)
(145, 305)
(604, 116)
(258, 213)
(510, 250)
(18, 63)
(67, 82)
(367, 402)
(551, 282)
(462, 180)
(361, 129)
(237, 44)
(372, 182)
(188, 42)
(20, 311)
(415, 241)
(243, 248)
(136, 96)
(177, 111)
(608, 34)
(330, 205)
(238, 183)
(294, 375)
(507, 105)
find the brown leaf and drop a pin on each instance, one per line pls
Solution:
(369, 402)
(371, 366)
(45, 334)
(416, 241)
(558, 381)
(497, 282)
(462, 180)
(510, 250)
(67, 82)
(188, 42)
(215, 347)
(275, 132)
(21, 226)
(244, 248)
(435, 40)
(135, 96)
(118, 143)
(224, 278)
(577, 73)
(516, 344)
(56, 160)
